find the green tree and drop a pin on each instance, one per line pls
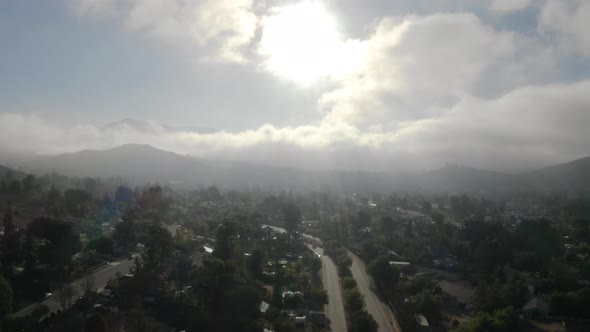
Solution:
(102, 245)
(62, 240)
(362, 321)
(255, 264)
(387, 225)
(354, 300)
(15, 187)
(430, 305)
(138, 320)
(158, 248)
(292, 218)
(125, 235)
(77, 201)
(9, 243)
(363, 219)
(243, 302)
(28, 183)
(506, 319)
(226, 240)
(95, 323)
(317, 298)
(384, 275)
(438, 217)
(5, 297)
(7, 221)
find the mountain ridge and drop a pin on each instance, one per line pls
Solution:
(146, 163)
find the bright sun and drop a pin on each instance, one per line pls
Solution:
(301, 42)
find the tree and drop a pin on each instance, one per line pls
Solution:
(226, 240)
(426, 207)
(138, 321)
(64, 295)
(409, 230)
(243, 304)
(438, 217)
(539, 237)
(292, 218)
(158, 249)
(54, 201)
(77, 201)
(15, 187)
(5, 297)
(123, 196)
(7, 221)
(387, 225)
(90, 185)
(354, 300)
(89, 284)
(102, 245)
(62, 240)
(362, 321)
(28, 183)
(9, 243)
(124, 233)
(384, 275)
(506, 319)
(429, 304)
(317, 298)
(95, 323)
(255, 264)
(363, 219)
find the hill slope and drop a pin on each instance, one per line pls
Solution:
(144, 163)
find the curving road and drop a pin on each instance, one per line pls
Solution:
(101, 278)
(379, 310)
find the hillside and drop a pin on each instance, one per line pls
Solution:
(143, 163)
(574, 176)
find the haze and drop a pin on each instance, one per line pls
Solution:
(372, 85)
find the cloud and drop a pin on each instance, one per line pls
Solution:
(435, 88)
(567, 21)
(509, 6)
(527, 127)
(212, 30)
(417, 67)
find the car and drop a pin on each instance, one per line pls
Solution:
(132, 256)
(47, 295)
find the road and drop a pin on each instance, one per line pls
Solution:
(379, 310)
(335, 308)
(101, 278)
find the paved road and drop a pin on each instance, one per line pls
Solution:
(379, 310)
(101, 278)
(335, 308)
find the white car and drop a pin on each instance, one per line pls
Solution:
(47, 295)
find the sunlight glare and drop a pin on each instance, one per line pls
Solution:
(301, 42)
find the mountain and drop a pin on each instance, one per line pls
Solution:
(454, 178)
(136, 162)
(12, 173)
(144, 163)
(572, 176)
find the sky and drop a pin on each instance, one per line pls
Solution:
(343, 84)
